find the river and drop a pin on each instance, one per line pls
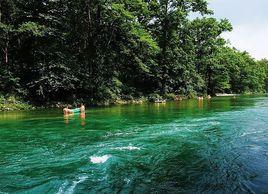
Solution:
(215, 146)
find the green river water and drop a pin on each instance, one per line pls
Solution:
(214, 146)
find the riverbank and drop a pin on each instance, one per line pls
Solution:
(152, 98)
(12, 104)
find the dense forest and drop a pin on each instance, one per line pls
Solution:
(105, 50)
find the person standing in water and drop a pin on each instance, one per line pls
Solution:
(82, 108)
(83, 114)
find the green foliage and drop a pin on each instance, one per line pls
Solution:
(32, 28)
(154, 97)
(264, 65)
(103, 51)
(12, 103)
(9, 82)
(5, 28)
(170, 96)
(239, 73)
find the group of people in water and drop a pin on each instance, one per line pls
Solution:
(68, 111)
(202, 98)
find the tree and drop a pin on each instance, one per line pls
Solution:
(104, 50)
(264, 65)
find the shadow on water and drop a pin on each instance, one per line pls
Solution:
(216, 146)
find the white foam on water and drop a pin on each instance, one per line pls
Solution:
(70, 190)
(127, 180)
(62, 187)
(250, 133)
(99, 159)
(128, 148)
(101, 145)
(119, 134)
(75, 183)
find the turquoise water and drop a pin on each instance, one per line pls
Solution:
(216, 146)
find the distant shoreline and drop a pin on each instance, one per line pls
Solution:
(15, 105)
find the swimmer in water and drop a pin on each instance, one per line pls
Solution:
(82, 108)
(200, 98)
(68, 111)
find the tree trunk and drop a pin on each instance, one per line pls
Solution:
(89, 23)
(210, 89)
(6, 55)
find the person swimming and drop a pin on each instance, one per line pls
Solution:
(68, 111)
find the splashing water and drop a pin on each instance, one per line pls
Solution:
(99, 159)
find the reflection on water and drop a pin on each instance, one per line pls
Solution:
(210, 146)
(69, 117)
